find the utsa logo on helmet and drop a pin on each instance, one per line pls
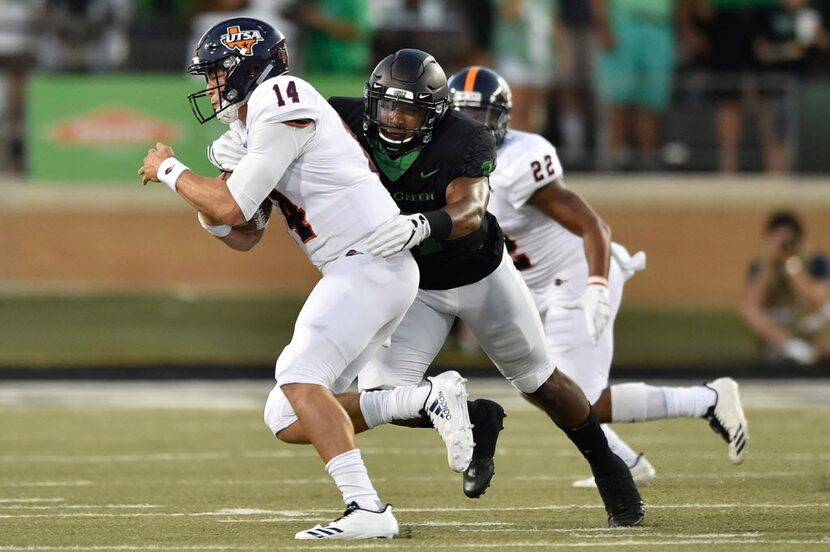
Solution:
(243, 41)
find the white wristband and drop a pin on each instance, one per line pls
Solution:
(170, 170)
(219, 230)
(597, 281)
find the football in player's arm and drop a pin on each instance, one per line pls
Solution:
(299, 156)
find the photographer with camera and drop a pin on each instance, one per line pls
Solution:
(786, 297)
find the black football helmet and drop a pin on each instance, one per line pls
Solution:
(485, 96)
(409, 80)
(248, 51)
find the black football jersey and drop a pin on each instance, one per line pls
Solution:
(460, 147)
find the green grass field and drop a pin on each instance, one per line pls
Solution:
(157, 329)
(159, 471)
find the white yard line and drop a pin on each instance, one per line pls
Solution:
(76, 483)
(251, 394)
(82, 507)
(28, 500)
(623, 539)
(308, 452)
(249, 514)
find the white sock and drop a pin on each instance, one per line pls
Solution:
(688, 402)
(400, 403)
(638, 402)
(619, 447)
(350, 476)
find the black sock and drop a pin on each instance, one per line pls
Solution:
(591, 442)
(424, 421)
(485, 441)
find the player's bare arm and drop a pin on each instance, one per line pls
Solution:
(210, 196)
(571, 211)
(466, 204)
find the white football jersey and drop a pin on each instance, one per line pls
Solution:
(302, 156)
(539, 245)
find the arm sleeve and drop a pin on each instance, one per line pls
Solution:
(480, 156)
(271, 150)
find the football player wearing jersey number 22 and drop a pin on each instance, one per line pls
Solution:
(301, 158)
(575, 273)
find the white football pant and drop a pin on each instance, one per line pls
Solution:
(350, 313)
(500, 312)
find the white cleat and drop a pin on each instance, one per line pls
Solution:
(355, 524)
(642, 471)
(727, 418)
(446, 407)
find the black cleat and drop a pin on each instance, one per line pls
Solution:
(620, 495)
(486, 417)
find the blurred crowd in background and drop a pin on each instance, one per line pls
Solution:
(616, 85)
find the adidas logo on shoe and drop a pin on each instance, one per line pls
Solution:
(448, 413)
(440, 408)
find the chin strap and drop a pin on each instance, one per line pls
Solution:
(231, 113)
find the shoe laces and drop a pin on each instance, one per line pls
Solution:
(351, 508)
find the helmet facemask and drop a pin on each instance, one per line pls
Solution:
(494, 117)
(400, 122)
(217, 77)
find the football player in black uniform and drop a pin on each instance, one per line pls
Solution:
(435, 163)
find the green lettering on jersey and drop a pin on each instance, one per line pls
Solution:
(421, 196)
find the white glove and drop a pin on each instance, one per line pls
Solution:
(799, 351)
(226, 151)
(596, 305)
(629, 264)
(399, 234)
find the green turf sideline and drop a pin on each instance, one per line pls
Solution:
(186, 331)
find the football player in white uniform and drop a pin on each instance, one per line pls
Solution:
(302, 159)
(565, 254)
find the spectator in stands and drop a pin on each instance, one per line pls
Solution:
(336, 35)
(790, 43)
(635, 74)
(82, 35)
(574, 53)
(724, 36)
(786, 297)
(160, 27)
(16, 60)
(522, 38)
(478, 17)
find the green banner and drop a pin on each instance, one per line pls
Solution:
(99, 127)
(86, 128)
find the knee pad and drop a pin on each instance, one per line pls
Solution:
(629, 402)
(278, 411)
